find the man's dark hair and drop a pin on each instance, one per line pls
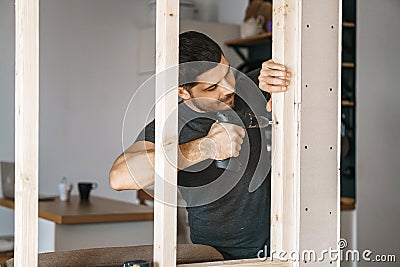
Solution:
(196, 46)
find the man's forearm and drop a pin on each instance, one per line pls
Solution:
(193, 152)
(135, 170)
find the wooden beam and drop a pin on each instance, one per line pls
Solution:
(305, 204)
(285, 50)
(166, 139)
(26, 131)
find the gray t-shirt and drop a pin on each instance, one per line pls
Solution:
(227, 210)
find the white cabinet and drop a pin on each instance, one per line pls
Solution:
(348, 232)
(217, 31)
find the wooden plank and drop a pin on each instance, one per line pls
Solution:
(286, 111)
(166, 139)
(26, 131)
(305, 171)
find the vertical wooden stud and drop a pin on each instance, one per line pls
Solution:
(166, 141)
(26, 131)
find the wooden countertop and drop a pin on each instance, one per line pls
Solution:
(96, 210)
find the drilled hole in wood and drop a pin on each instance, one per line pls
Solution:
(332, 27)
(306, 85)
(330, 262)
(308, 25)
(306, 209)
(330, 89)
(330, 212)
(330, 148)
(306, 147)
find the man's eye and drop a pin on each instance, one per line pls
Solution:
(211, 88)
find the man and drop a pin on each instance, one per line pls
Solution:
(222, 211)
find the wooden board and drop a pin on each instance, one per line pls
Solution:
(166, 133)
(26, 131)
(286, 111)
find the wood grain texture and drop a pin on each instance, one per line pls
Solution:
(166, 133)
(26, 131)
(286, 111)
(96, 210)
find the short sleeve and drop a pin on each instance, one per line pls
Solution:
(148, 133)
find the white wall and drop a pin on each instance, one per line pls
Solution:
(88, 72)
(6, 80)
(378, 127)
(231, 11)
(89, 54)
(224, 11)
(89, 51)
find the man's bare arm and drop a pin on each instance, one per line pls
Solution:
(134, 169)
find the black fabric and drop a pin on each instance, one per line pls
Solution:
(223, 210)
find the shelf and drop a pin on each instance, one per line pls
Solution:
(347, 203)
(349, 25)
(263, 38)
(348, 65)
(347, 103)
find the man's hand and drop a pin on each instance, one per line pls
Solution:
(274, 78)
(224, 140)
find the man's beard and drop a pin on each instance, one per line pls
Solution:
(213, 105)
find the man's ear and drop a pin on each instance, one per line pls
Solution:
(183, 93)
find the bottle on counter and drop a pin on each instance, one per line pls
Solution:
(64, 189)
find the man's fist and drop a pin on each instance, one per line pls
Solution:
(274, 78)
(223, 141)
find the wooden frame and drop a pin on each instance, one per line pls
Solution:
(26, 131)
(305, 206)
